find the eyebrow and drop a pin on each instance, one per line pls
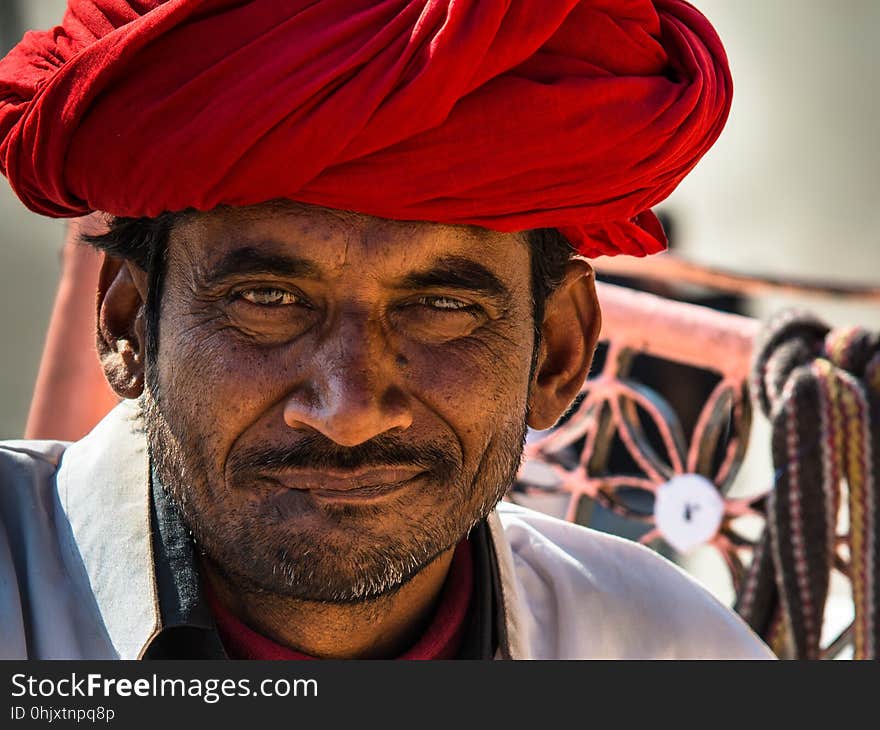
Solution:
(250, 260)
(458, 272)
(448, 272)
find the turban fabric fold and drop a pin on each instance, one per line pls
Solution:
(506, 114)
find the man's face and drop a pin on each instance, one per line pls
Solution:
(337, 398)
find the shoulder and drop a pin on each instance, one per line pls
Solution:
(26, 465)
(27, 518)
(21, 451)
(27, 477)
(27, 481)
(590, 594)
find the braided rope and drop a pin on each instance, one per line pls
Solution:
(861, 497)
(821, 391)
(757, 600)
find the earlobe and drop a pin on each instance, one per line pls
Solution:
(120, 335)
(569, 333)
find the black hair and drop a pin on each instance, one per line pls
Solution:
(549, 254)
(144, 241)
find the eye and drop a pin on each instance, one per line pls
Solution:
(445, 303)
(436, 318)
(269, 297)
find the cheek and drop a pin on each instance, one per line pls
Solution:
(476, 385)
(215, 387)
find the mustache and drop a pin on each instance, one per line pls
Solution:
(316, 452)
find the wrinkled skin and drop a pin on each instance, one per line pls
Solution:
(303, 352)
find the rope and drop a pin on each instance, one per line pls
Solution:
(820, 389)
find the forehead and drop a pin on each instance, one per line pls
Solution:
(337, 241)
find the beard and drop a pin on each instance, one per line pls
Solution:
(264, 539)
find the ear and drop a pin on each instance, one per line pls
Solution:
(569, 334)
(121, 331)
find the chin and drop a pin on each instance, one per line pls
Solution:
(337, 561)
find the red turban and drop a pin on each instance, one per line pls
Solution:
(515, 114)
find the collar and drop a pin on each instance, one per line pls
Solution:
(110, 468)
(103, 487)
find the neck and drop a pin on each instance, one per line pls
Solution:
(378, 628)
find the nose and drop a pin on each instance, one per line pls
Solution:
(353, 392)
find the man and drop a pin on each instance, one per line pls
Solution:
(345, 269)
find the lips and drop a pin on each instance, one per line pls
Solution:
(348, 484)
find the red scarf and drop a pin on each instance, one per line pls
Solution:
(441, 640)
